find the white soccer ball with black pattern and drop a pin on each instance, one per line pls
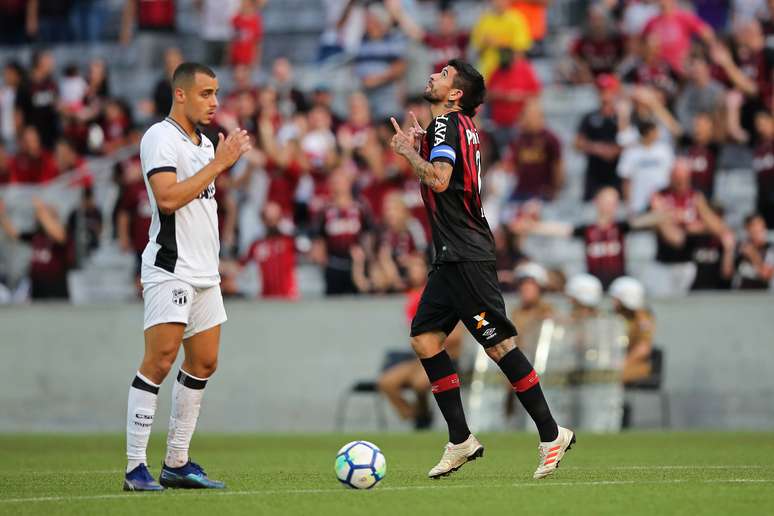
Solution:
(360, 465)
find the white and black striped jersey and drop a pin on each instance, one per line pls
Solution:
(185, 244)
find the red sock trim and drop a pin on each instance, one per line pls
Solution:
(527, 382)
(446, 383)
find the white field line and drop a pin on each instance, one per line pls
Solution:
(564, 468)
(137, 496)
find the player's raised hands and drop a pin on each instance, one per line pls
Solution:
(232, 147)
(403, 142)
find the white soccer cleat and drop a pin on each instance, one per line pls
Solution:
(550, 454)
(456, 455)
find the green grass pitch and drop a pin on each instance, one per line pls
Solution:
(627, 474)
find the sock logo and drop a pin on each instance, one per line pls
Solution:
(180, 296)
(480, 321)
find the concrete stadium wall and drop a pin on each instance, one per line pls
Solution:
(283, 365)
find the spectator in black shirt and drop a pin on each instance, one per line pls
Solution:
(596, 138)
(755, 257)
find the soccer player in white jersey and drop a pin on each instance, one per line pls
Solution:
(181, 284)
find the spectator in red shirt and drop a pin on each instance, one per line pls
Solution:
(50, 257)
(32, 164)
(604, 239)
(702, 151)
(248, 34)
(509, 88)
(5, 172)
(652, 70)
(755, 257)
(537, 156)
(342, 225)
(598, 50)
(41, 111)
(763, 166)
(274, 256)
(674, 28)
(445, 43)
(133, 217)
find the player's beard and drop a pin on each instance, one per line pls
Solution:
(430, 96)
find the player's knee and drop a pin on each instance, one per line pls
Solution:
(385, 384)
(205, 368)
(426, 346)
(499, 350)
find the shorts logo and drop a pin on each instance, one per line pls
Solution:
(491, 332)
(180, 296)
(480, 321)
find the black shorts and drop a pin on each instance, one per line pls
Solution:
(466, 291)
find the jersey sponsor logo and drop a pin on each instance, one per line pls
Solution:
(480, 320)
(180, 296)
(440, 130)
(602, 249)
(207, 193)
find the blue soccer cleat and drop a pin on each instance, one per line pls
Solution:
(188, 476)
(140, 479)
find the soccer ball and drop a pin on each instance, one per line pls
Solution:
(360, 465)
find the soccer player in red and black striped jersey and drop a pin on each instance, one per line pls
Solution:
(463, 283)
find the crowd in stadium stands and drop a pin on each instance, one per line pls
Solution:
(677, 85)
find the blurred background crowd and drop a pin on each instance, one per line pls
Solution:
(620, 138)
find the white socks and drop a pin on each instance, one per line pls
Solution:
(186, 401)
(141, 409)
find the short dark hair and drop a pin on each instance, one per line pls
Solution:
(470, 81)
(185, 73)
(752, 216)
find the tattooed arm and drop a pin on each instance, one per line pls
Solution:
(436, 175)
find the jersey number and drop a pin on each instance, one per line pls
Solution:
(478, 167)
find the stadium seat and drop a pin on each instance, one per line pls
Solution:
(370, 387)
(652, 385)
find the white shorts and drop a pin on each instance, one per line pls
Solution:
(176, 301)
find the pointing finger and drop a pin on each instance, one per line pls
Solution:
(416, 123)
(395, 124)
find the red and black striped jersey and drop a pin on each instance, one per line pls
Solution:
(459, 227)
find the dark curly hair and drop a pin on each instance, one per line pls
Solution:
(470, 81)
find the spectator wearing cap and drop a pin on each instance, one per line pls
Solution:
(531, 281)
(596, 138)
(499, 27)
(379, 63)
(755, 257)
(584, 292)
(628, 296)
